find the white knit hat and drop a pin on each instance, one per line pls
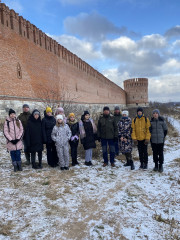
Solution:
(59, 116)
(125, 112)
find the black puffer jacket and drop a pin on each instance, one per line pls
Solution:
(158, 130)
(89, 140)
(48, 123)
(34, 136)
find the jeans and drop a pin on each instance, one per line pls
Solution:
(15, 156)
(158, 155)
(143, 154)
(104, 144)
(116, 144)
(88, 155)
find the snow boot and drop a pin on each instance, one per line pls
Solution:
(66, 168)
(132, 165)
(62, 168)
(27, 155)
(141, 165)
(73, 162)
(40, 164)
(155, 167)
(161, 168)
(145, 167)
(127, 164)
(19, 166)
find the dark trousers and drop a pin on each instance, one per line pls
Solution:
(27, 154)
(158, 155)
(15, 156)
(74, 146)
(116, 144)
(33, 157)
(143, 154)
(52, 158)
(104, 144)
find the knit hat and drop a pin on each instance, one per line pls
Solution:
(36, 112)
(71, 115)
(140, 109)
(156, 111)
(11, 111)
(60, 109)
(48, 109)
(86, 112)
(117, 108)
(59, 116)
(25, 105)
(106, 108)
(125, 112)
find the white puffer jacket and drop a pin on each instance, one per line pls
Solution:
(61, 135)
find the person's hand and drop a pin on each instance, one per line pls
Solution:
(135, 142)
(122, 139)
(146, 142)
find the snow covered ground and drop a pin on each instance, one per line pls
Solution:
(92, 203)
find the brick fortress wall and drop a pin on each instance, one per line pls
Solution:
(137, 91)
(31, 64)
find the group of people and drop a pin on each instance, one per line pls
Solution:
(58, 132)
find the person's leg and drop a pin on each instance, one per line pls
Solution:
(55, 159)
(141, 155)
(127, 160)
(112, 150)
(155, 156)
(161, 156)
(116, 144)
(26, 153)
(66, 156)
(90, 157)
(13, 158)
(104, 149)
(18, 160)
(33, 160)
(145, 155)
(40, 159)
(87, 156)
(61, 157)
(73, 153)
(49, 153)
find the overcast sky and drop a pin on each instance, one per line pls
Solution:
(121, 38)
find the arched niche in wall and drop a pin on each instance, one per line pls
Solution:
(19, 71)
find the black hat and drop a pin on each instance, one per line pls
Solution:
(25, 106)
(11, 111)
(116, 108)
(106, 108)
(85, 113)
(140, 109)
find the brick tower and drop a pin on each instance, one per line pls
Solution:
(137, 91)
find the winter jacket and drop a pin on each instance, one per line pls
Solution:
(124, 130)
(61, 135)
(140, 128)
(107, 127)
(88, 140)
(23, 117)
(74, 126)
(12, 132)
(158, 130)
(48, 122)
(117, 117)
(34, 137)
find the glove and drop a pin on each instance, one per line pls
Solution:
(17, 140)
(13, 142)
(72, 138)
(135, 142)
(115, 139)
(146, 141)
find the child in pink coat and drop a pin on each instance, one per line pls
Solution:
(13, 132)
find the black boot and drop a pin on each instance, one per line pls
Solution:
(19, 166)
(141, 165)
(127, 164)
(132, 165)
(27, 155)
(145, 166)
(40, 164)
(34, 165)
(128, 159)
(155, 167)
(73, 162)
(161, 168)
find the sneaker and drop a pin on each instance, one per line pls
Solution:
(105, 164)
(112, 165)
(62, 168)
(66, 168)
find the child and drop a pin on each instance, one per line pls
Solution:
(74, 126)
(34, 138)
(125, 140)
(158, 131)
(48, 122)
(13, 132)
(88, 133)
(61, 135)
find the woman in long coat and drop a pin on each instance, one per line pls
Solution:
(34, 138)
(125, 140)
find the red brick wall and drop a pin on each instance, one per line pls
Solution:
(45, 64)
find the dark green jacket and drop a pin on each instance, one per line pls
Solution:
(23, 117)
(117, 117)
(107, 127)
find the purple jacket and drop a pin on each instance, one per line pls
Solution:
(12, 132)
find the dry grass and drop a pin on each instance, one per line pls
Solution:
(6, 228)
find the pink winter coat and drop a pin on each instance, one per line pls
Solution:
(12, 132)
